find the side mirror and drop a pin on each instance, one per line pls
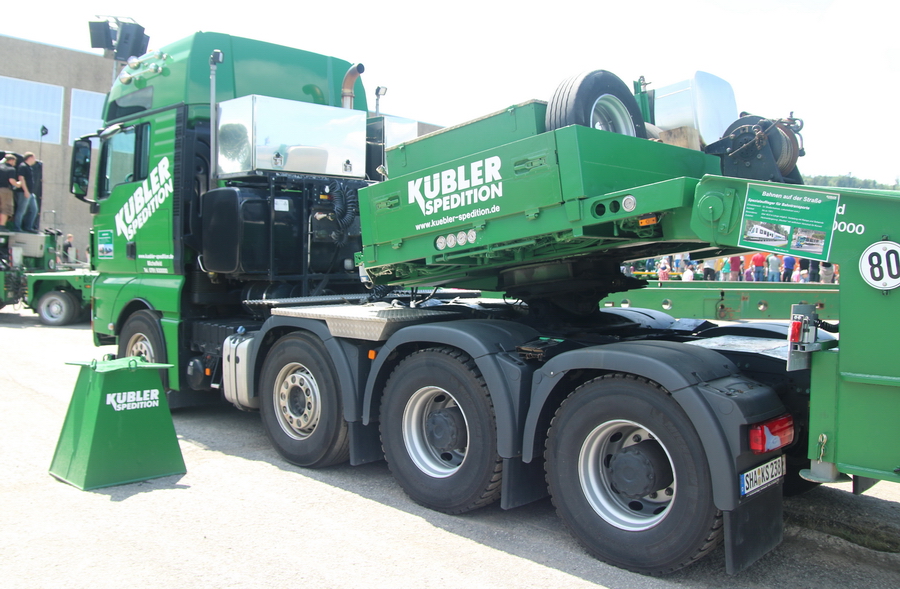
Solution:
(80, 174)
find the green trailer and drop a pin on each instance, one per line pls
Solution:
(286, 250)
(31, 274)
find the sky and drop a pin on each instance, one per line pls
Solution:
(833, 63)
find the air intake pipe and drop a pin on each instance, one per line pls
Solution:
(349, 81)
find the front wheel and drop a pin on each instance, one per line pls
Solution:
(142, 336)
(629, 477)
(438, 431)
(58, 307)
(300, 403)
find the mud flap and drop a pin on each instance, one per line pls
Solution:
(753, 529)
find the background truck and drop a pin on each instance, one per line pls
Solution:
(31, 275)
(284, 248)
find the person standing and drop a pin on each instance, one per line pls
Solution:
(789, 262)
(737, 267)
(814, 270)
(26, 205)
(827, 271)
(774, 265)
(759, 267)
(8, 182)
(688, 272)
(68, 250)
(663, 272)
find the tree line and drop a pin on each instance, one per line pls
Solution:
(849, 181)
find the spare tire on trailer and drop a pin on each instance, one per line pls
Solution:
(597, 99)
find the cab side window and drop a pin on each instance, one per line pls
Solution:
(125, 158)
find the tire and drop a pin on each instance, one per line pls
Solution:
(300, 403)
(438, 431)
(629, 477)
(142, 336)
(599, 100)
(57, 308)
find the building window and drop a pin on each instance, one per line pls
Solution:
(86, 114)
(26, 107)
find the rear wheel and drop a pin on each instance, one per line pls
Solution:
(599, 100)
(300, 403)
(58, 307)
(628, 475)
(438, 431)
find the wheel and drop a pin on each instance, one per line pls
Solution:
(597, 99)
(629, 477)
(142, 336)
(58, 307)
(300, 403)
(438, 431)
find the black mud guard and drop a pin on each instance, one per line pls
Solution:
(715, 396)
(492, 345)
(343, 357)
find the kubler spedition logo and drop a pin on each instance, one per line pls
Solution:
(457, 187)
(145, 200)
(129, 400)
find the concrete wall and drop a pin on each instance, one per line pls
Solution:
(70, 69)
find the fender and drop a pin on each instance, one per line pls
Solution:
(492, 345)
(339, 351)
(707, 386)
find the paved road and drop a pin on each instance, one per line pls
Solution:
(242, 517)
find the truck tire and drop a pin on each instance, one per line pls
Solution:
(300, 403)
(58, 307)
(438, 431)
(142, 336)
(599, 100)
(629, 477)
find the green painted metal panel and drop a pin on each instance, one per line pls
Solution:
(858, 415)
(118, 428)
(729, 301)
(493, 130)
(594, 162)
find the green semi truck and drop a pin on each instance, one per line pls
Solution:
(31, 275)
(284, 248)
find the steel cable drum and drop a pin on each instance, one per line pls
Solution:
(786, 148)
(782, 141)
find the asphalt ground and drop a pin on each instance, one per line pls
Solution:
(242, 517)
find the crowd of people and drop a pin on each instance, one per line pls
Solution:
(758, 267)
(17, 193)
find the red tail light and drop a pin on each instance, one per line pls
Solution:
(796, 330)
(771, 435)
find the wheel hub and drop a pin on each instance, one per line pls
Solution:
(610, 114)
(298, 403)
(445, 429)
(139, 345)
(622, 485)
(434, 432)
(640, 469)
